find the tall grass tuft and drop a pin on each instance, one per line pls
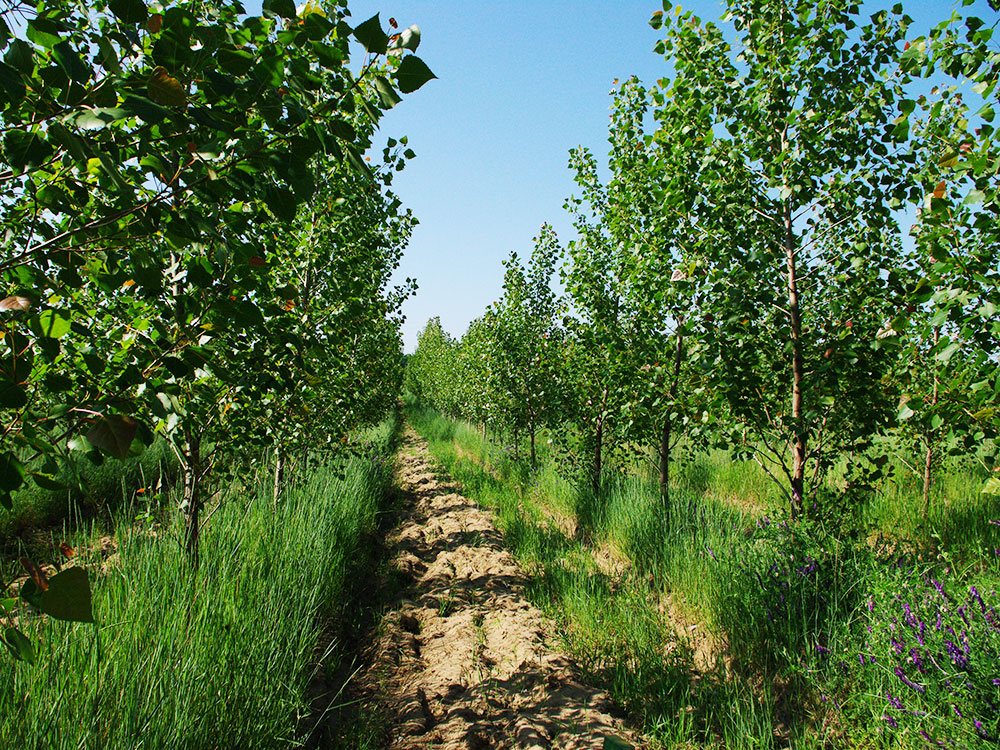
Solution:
(215, 657)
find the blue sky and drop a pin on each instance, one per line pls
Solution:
(519, 84)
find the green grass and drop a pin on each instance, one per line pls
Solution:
(216, 657)
(787, 606)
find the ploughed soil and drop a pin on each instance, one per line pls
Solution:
(459, 658)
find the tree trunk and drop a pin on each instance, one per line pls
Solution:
(798, 359)
(279, 473)
(192, 494)
(667, 422)
(931, 440)
(595, 480)
(516, 455)
(532, 431)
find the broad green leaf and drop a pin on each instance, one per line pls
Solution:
(281, 202)
(68, 596)
(343, 129)
(992, 486)
(19, 645)
(12, 396)
(145, 109)
(283, 8)
(25, 150)
(11, 84)
(236, 62)
(945, 354)
(412, 74)
(53, 324)
(11, 472)
(113, 434)
(129, 11)
(68, 59)
(97, 118)
(386, 93)
(408, 38)
(371, 36)
(43, 32)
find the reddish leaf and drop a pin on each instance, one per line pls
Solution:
(15, 302)
(36, 574)
(165, 89)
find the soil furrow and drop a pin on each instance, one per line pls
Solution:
(461, 659)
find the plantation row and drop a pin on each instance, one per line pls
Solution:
(196, 249)
(794, 263)
(749, 275)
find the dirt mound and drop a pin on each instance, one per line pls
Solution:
(461, 658)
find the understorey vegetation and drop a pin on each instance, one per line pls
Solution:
(762, 407)
(200, 358)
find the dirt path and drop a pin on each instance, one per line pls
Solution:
(461, 660)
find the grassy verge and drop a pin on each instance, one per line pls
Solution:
(217, 657)
(714, 624)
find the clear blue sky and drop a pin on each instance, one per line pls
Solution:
(519, 84)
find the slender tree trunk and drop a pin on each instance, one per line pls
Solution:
(279, 473)
(532, 431)
(798, 359)
(516, 455)
(595, 480)
(667, 421)
(931, 440)
(192, 494)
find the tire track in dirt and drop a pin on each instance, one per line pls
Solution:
(460, 660)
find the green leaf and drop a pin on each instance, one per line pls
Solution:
(24, 150)
(236, 62)
(343, 130)
(945, 354)
(113, 434)
(129, 11)
(18, 645)
(145, 109)
(43, 32)
(386, 93)
(68, 59)
(409, 38)
(371, 36)
(53, 324)
(12, 396)
(283, 8)
(281, 202)
(11, 84)
(97, 118)
(992, 486)
(68, 596)
(11, 472)
(412, 74)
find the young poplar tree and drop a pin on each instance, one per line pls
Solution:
(793, 204)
